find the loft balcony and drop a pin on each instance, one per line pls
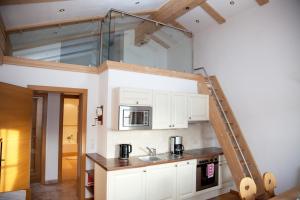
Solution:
(119, 36)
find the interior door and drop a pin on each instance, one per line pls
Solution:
(15, 131)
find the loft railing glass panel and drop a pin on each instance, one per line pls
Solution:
(137, 41)
(74, 44)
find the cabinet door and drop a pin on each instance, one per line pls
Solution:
(130, 96)
(161, 110)
(127, 184)
(179, 111)
(161, 182)
(186, 179)
(198, 107)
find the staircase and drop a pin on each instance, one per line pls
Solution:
(236, 151)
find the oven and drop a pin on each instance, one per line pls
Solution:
(135, 117)
(207, 174)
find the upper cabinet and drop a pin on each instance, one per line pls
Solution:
(198, 107)
(169, 110)
(130, 96)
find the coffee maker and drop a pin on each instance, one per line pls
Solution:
(125, 150)
(176, 146)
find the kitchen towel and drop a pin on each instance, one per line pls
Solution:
(210, 170)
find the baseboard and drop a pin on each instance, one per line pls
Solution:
(49, 182)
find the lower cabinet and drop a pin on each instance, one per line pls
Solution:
(161, 182)
(172, 181)
(186, 179)
(127, 184)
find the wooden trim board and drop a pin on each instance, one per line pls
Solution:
(67, 22)
(146, 70)
(107, 65)
(49, 65)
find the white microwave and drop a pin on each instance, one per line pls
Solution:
(135, 117)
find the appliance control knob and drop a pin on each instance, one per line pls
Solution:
(188, 163)
(176, 165)
(190, 118)
(145, 171)
(137, 102)
(170, 125)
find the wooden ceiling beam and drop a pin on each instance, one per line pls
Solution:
(66, 22)
(262, 2)
(159, 41)
(168, 13)
(11, 2)
(179, 25)
(213, 13)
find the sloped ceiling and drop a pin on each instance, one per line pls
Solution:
(195, 20)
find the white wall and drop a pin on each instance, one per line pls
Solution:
(255, 55)
(52, 137)
(24, 76)
(195, 137)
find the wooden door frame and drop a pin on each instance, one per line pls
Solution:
(43, 139)
(60, 143)
(83, 95)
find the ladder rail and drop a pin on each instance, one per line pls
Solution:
(226, 118)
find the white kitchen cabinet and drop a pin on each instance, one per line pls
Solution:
(186, 179)
(161, 182)
(126, 184)
(171, 181)
(161, 110)
(198, 107)
(131, 96)
(179, 111)
(169, 110)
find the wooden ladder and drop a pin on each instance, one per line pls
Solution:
(236, 150)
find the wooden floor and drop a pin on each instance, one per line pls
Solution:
(63, 191)
(227, 196)
(69, 168)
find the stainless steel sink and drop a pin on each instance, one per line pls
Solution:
(149, 158)
(159, 157)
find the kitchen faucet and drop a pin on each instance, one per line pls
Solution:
(152, 151)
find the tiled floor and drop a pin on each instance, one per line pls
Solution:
(63, 191)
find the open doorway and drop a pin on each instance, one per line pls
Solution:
(69, 125)
(60, 150)
(38, 131)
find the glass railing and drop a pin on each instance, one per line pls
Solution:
(135, 40)
(118, 37)
(74, 43)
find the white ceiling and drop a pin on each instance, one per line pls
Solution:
(26, 14)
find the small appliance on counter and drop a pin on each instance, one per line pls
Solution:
(125, 150)
(176, 146)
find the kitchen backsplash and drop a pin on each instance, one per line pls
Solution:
(198, 135)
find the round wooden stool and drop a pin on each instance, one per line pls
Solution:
(247, 189)
(270, 183)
